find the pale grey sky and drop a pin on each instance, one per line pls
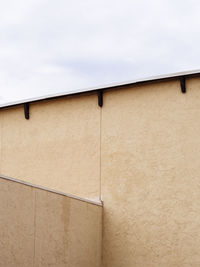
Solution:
(51, 46)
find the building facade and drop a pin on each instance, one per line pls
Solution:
(138, 152)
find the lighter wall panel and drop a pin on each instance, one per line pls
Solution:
(151, 175)
(57, 148)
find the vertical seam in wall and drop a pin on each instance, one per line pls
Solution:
(100, 128)
(101, 114)
(102, 229)
(34, 229)
(1, 145)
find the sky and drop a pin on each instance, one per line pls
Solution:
(49, 47)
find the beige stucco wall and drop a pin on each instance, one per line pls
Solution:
(151, 176)
(41, 228)
(57, 148)
(143, 149)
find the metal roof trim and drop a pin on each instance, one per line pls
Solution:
(103, 87)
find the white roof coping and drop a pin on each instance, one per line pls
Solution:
(103, 87)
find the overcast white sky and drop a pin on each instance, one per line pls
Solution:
(51, 46)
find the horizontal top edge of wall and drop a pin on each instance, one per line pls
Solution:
(89, 201)
(159, 78)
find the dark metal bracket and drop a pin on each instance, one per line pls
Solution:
(100, 98)
(26, 111)
(183, 86)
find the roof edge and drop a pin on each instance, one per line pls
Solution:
(157, 78)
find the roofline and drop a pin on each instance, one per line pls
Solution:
(171, 76)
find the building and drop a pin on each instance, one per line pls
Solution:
(133, 146)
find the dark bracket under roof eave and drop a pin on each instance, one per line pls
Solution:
(183, 85)
(26, 111)
(100, 98)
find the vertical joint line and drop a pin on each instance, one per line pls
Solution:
(100, 154)
(34, 242)
(100, 98)
(183, 86)
(26, 111)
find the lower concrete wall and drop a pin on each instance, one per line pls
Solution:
(41, 228)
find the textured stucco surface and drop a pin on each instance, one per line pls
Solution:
(143, 149)
(17, 212)
(150, 176)
(57, 148)
(41, 228)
